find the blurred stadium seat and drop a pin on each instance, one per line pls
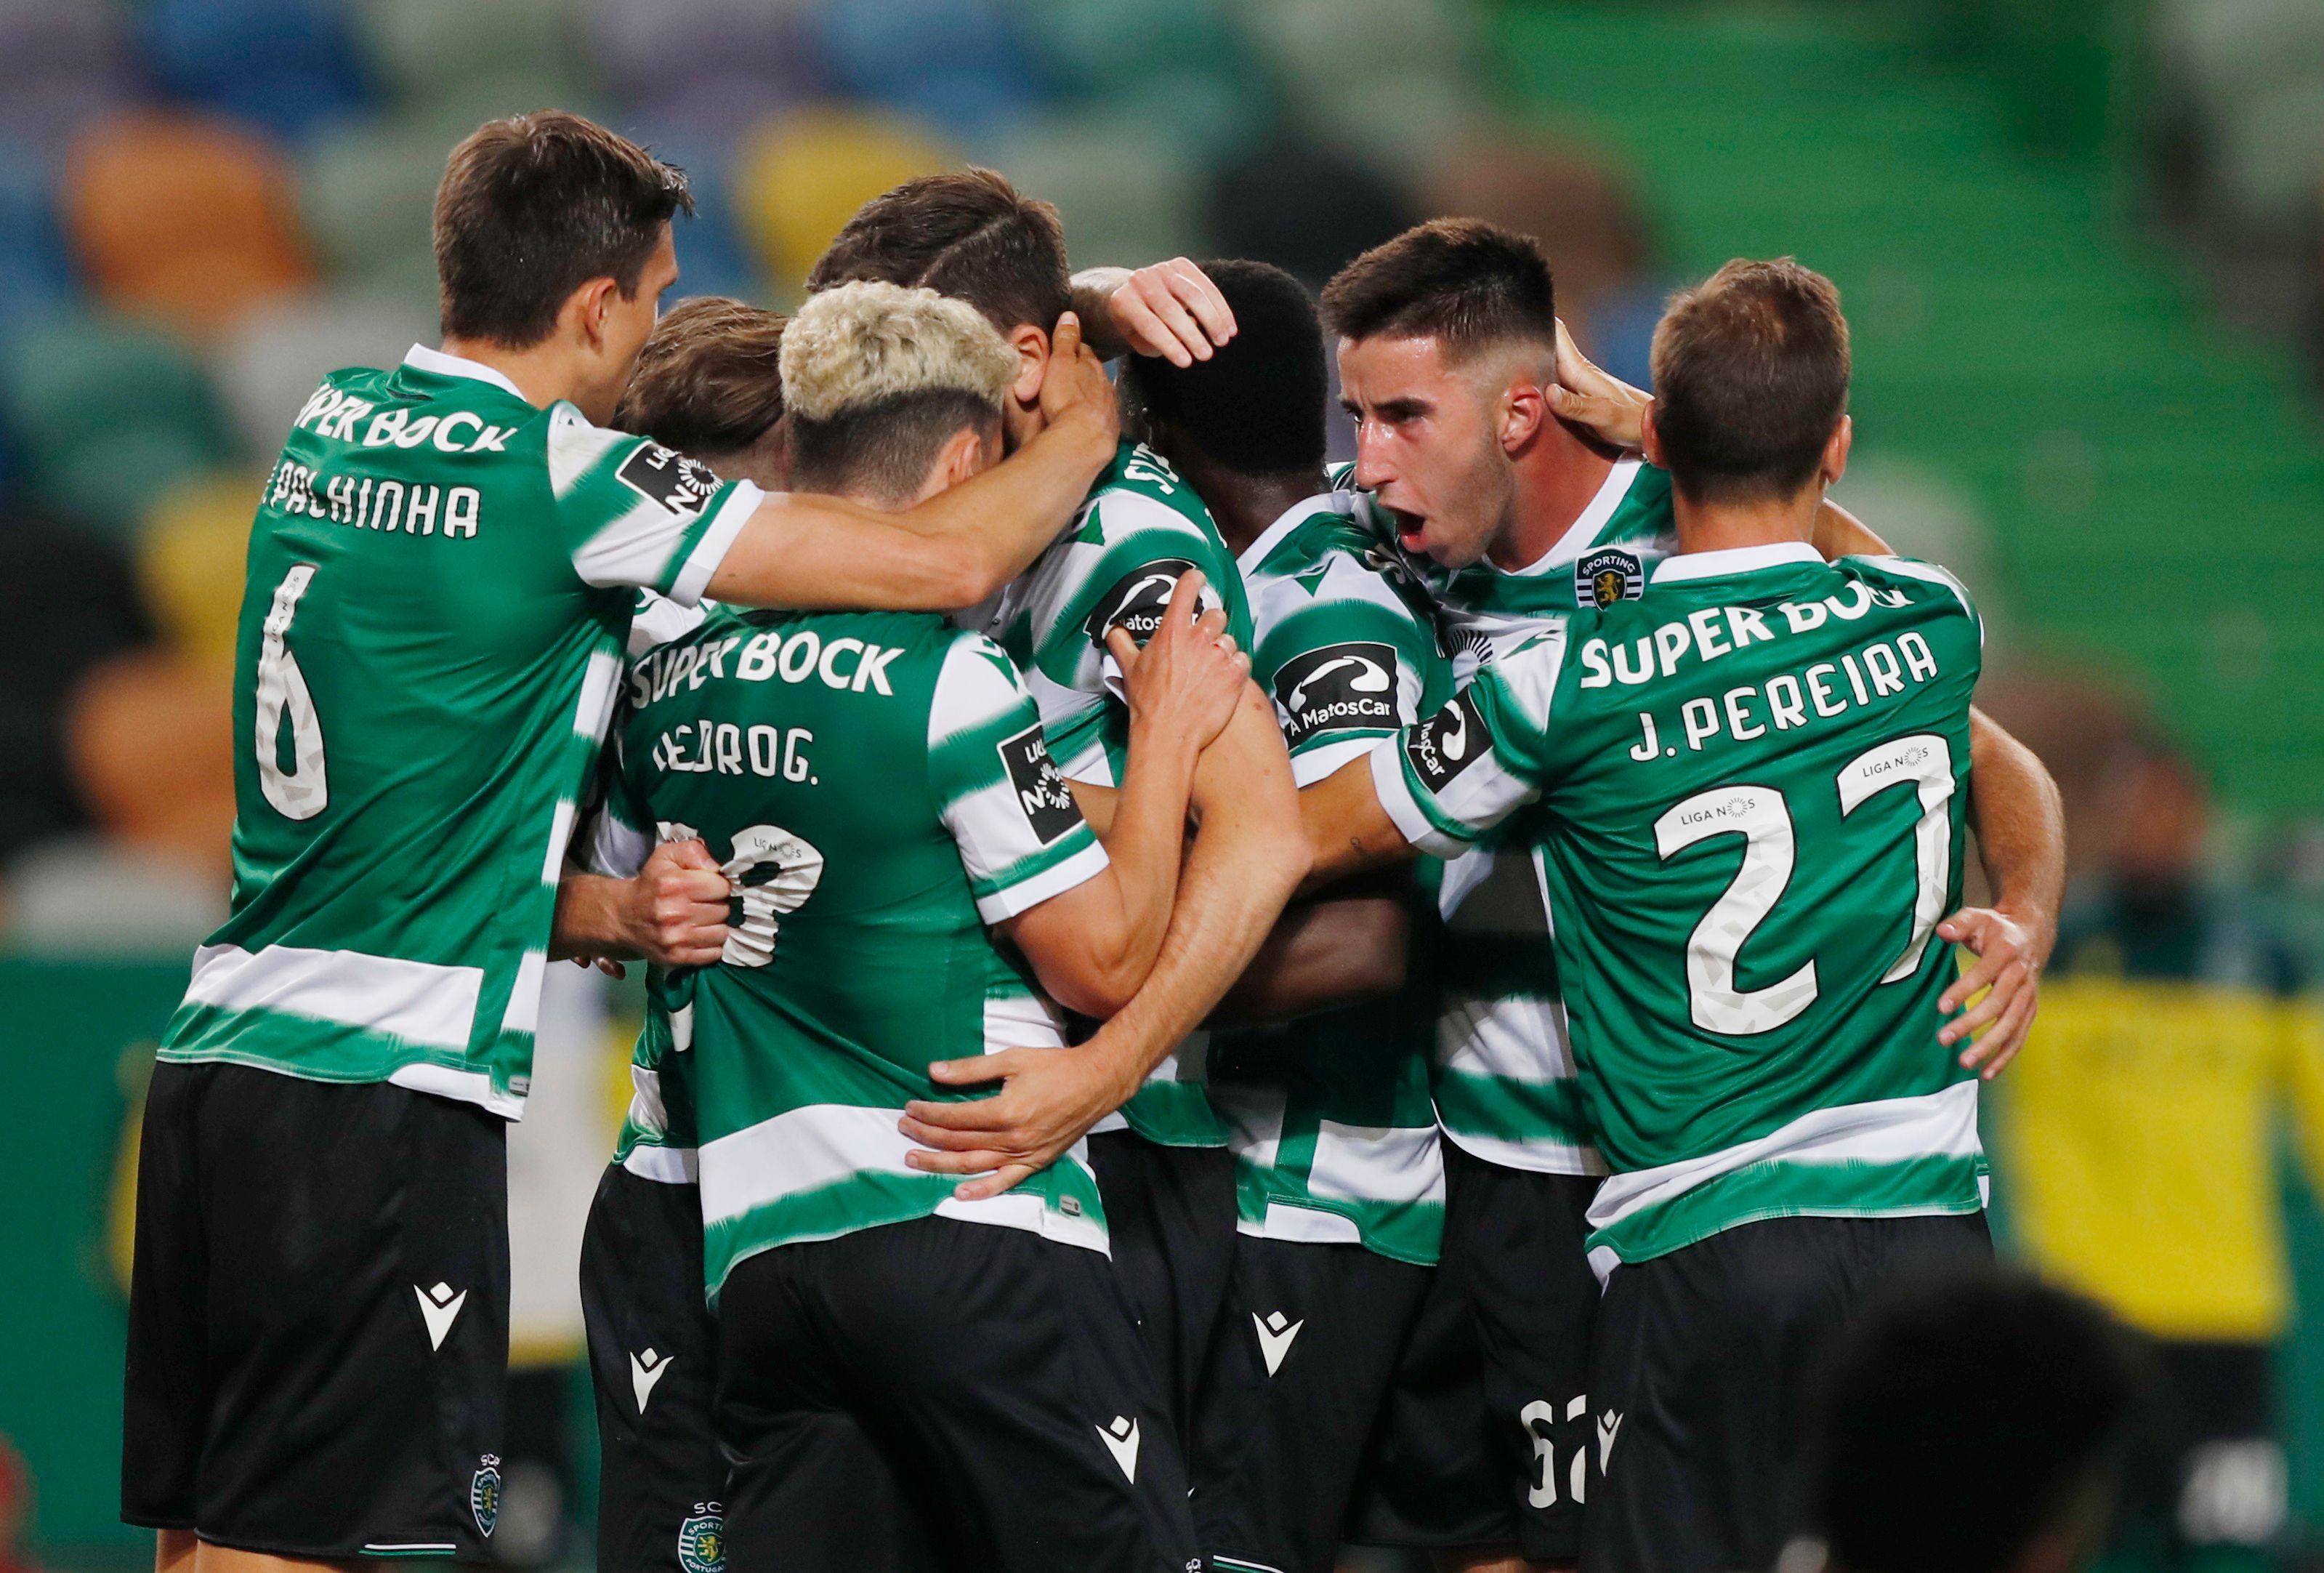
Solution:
(798, 179)
(189, 221)
(287, 66)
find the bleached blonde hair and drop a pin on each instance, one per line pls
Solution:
(855, 345)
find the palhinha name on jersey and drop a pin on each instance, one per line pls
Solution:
(368, 502)
(1826, 688)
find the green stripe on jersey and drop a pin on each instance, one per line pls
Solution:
(878, 791)
(1333, 1132)
(441, 578)
(1140, 529)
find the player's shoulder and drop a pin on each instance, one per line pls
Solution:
(1139, 491)
(1909, 577)
(975, 681)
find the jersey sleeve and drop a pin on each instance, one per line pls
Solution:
(620, 834)
(1345, 670)
(1021, 836)
(630, 511)
(1912, 567)
(1448, 779)
(1146, 546)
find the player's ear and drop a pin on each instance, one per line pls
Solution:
(1032, 347)
(968, 452)
(1834, 464)
(1524, 410)
(588, 308)
(1650, 438)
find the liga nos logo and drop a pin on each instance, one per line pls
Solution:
(666, 477)
(1042, 794)
(1137, 599)
(1604, 577)
(1337, 688)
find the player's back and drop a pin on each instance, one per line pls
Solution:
(1756, 779)
(855, 773)
(438, 589)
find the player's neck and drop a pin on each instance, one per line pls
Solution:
(543, 373)
(1558, 476)
(1242, 506)
(1725, 526)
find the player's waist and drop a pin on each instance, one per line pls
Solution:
(1888, 1157)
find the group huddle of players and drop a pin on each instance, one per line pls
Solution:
(1203, 1007)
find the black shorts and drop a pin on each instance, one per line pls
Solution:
(967, 1388)
(1698, 1378)
(1293, 1394)
(1486, 1439)
(318, 1316)
(653, 1358)
(1171, 1212)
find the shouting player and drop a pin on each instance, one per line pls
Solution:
(1338, 1181)
(441, 574)
(915, 880)
(1450, 363)
(1752, 775)
(1163, 1163)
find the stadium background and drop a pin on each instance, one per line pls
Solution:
(2081, 244)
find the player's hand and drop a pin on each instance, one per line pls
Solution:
(677, 905)
(605, 963)
(1048, 1100)
(1074, 387)
(1190, 673)
(2010, 954)
(1608, 407)
(1170, 309)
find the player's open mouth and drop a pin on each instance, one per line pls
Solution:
(1409, 528)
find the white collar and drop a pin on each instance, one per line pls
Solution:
(1288, 520)
(419, 358)
(1704, 565)
(1583, 530)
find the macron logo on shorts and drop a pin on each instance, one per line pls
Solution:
(440, 1308)
(1276, 1332)
(1119, 1435)
(645, 1370)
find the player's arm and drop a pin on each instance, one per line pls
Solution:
(1170, 309)
(1247, 859)
(672, 911)
(1092, 946)
(956, 549)
(2020, 822)
(1352, 944)
(623, 897)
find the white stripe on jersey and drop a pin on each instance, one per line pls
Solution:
(815, 1145)
(419, 1001)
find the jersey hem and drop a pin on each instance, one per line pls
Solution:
(509, 1106)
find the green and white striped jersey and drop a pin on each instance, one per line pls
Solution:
(1753, 779)
(1505, 1086)
(1115, 567)
(439, 580)
(1333, 1132)
(877, 788)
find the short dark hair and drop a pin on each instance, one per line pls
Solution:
(532, 208)
(1981, 1362)
(1463, 282)
(1257, 405)
(1750, 374)
(969, 235)
(710, 380)
(883, 449)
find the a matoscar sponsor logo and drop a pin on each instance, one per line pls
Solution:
(1341, 686)
(1136, 600)
(1448, 743)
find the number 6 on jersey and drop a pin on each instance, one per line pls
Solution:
(302, 791)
